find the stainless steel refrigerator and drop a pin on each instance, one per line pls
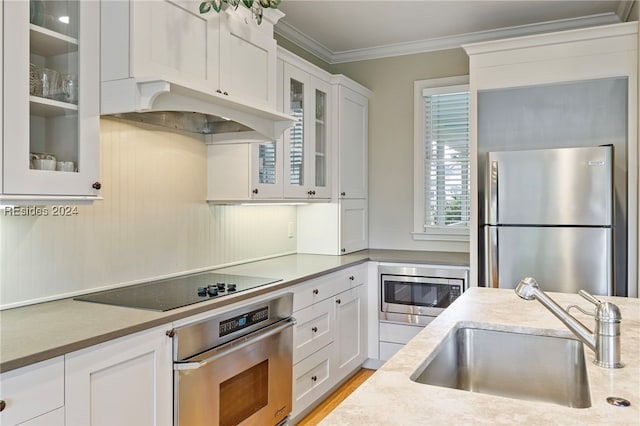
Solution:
(549, 214)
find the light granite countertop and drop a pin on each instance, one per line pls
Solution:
(38, 332)
(389, 397)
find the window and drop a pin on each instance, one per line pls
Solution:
(441, 159)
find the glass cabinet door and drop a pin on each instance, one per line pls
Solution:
(296, 155)
(266, 170)
(53, 86)
(307, 142)
(51, 144)
(321, 139)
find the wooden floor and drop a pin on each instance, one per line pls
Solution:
(332, 401)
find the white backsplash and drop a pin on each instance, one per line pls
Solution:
(153, 222)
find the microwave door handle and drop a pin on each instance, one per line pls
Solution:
(232, 346)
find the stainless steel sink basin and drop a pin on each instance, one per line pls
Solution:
(514, 365)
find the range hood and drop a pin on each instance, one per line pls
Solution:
(195, 109)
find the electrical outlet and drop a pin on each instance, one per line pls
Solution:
(291, 230)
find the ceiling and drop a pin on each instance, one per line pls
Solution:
(348, 30)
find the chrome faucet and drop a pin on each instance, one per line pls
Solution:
(605, 341)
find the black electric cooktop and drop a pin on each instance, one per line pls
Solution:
(177, 292)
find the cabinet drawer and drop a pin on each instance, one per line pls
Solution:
(315, 329)
(32, 391)
(355, 276)
(328, 286)
(312, 377)
(316, 290)
(398, 333)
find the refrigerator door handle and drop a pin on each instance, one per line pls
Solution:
(493, 193)
(491, 267)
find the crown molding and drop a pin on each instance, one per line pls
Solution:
(441, 43)
(300, 39)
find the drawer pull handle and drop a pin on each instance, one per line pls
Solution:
(314, 378)
(315, 291)
(314, 329)
(3, 405)
(352, 278)
(338, 301)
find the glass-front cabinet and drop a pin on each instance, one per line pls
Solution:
(306, 163)
(266, 170)
(51, 101)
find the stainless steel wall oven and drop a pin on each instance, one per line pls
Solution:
(235, 368)
(415, 295)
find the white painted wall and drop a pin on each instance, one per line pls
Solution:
(153, 222)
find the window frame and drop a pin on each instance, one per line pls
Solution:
(435, 233)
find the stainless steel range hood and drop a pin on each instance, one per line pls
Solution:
(195, 109)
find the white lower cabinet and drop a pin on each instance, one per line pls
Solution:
(351, 330)
(312, 378)
(394, 336)
(127, 381)
(330, 336)
(34, 395)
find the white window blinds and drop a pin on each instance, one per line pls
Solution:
(446, 159)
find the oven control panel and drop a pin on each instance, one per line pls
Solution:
(243, 321)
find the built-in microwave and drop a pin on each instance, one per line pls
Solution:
(415, 295)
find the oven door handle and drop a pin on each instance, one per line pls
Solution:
(237, 344)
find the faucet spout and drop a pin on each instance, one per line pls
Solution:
(605, 342)
(528, 289)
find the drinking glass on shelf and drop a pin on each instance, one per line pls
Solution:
(50, 83)
(69, 88)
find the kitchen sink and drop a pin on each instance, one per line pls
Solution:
(513, 365)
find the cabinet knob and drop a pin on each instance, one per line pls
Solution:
(218, 91)
(3, 405)
(343, 194)
(314, 329)
(315, 291)
(338, 301)
(343, 249)
(352, 278)
(255, 190)
(96, 185)
(314, 378)
(225, 93)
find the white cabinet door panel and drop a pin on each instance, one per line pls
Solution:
(127, 381)
(351, 330)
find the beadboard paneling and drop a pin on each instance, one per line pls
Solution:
(152, 223)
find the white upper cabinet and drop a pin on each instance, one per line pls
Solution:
(351, 110)
(306, 144)
(248, 58)
(51, 127)
(239, 172)
(227, 52)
